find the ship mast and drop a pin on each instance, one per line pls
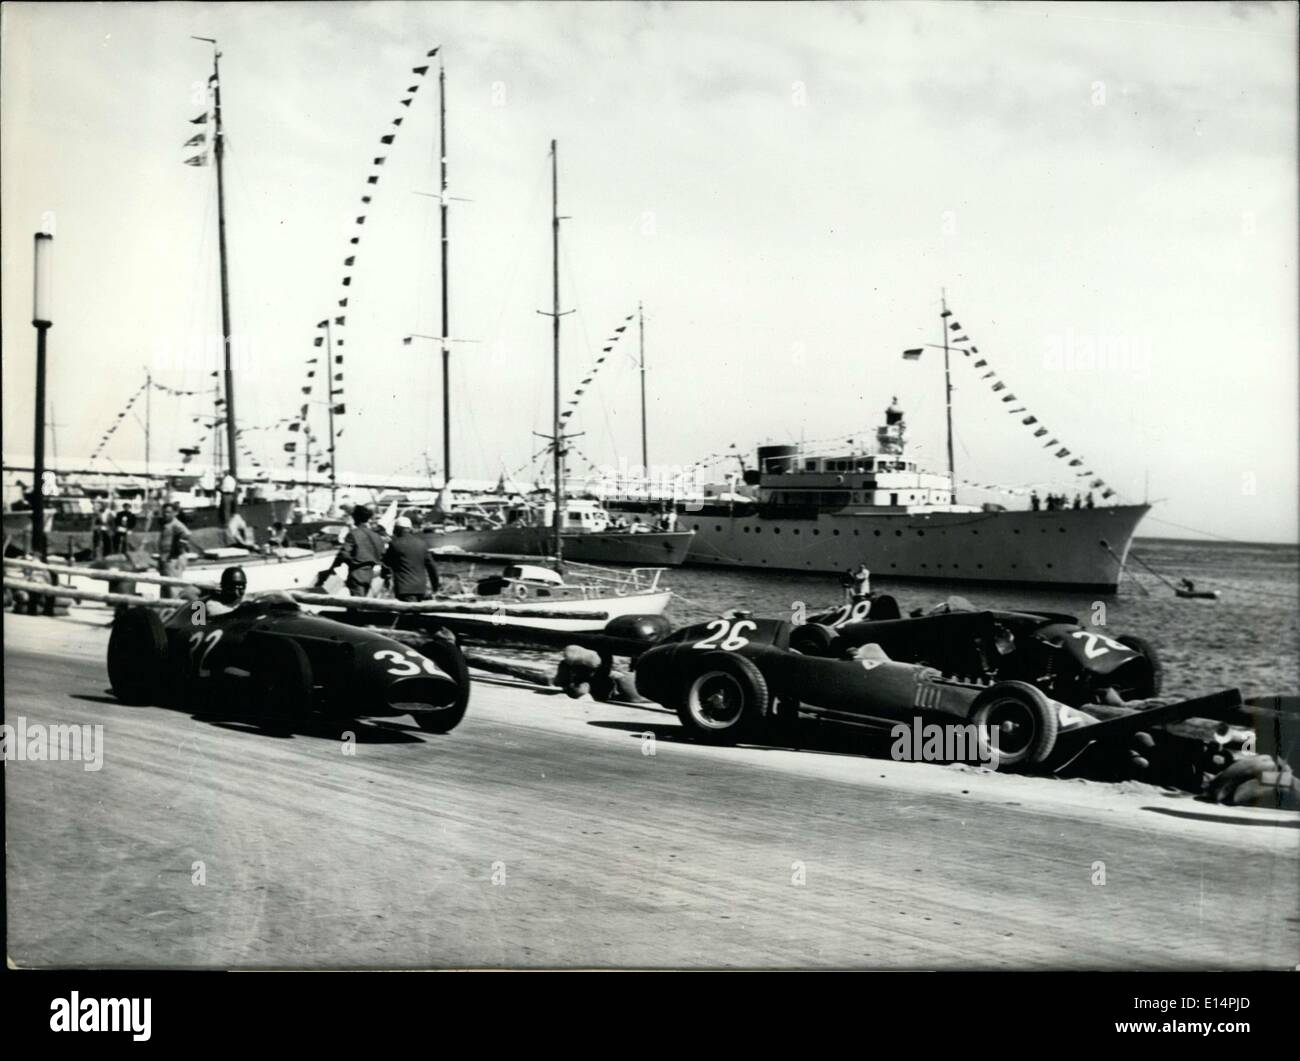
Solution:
(446, 324)
(557, 437)
(645, 458)
(219, 152)
(947, 389)
(555, 333)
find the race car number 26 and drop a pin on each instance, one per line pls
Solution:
(727, 635)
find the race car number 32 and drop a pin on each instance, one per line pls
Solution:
(406, 666)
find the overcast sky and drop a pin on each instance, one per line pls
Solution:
(787, 188)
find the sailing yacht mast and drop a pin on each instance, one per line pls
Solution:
(446, 323)
(555, 332)
(219, 151)
(947, 391)
(645, 458)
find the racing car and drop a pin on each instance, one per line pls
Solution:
(1069, 662)
(735, 679)
(284, 665)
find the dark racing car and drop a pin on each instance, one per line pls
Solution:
(741, 679)
(1068, 662)
(282, 665)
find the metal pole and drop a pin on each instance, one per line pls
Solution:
(219, 150)
(645, 459)
(42, 321)
(446, 323)
(38, 472)
(947, 388)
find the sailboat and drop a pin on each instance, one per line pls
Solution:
(269, 569)
(524, 587)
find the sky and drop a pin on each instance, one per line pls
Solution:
(1105, 194)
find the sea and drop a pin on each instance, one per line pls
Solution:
(1248, 639)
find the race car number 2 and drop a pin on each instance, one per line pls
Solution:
(1098, 644)
(406, 666)
(728, 636)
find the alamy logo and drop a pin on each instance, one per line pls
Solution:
(36, 742)
(77, 1014)
(952, 743)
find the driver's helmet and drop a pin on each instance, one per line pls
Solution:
(234, 584)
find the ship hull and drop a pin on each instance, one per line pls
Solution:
(1060, 549)
(646, 549)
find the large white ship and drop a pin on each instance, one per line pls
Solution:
(829, 513)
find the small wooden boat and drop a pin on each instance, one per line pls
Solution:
(1197, 594)
(526, 588)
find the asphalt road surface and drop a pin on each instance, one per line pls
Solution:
(541, 833)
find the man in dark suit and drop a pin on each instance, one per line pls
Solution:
(410, 564)
(362, 553)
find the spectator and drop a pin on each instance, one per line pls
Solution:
(123, 525)
(173, 545)
(238, 530)
(1035, 502)
(410, 564)
(362, 553)
(101, 530)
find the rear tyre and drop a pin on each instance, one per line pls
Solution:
(451, 661)
(1143, 677)
(812, 639)
(137, 657)
(1025, 721)
(282, 683)
(724, 698)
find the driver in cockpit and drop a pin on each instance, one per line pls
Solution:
(230, 595)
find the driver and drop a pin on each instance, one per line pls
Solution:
(230, 595)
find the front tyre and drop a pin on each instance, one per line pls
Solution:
(282, 683)
(446, 654)
(137, 657)
(1018, 725)
(723, 699)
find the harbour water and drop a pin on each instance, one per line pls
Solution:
(1248, 639)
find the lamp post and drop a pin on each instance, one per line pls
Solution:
(42, 320)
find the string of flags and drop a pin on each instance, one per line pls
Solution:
(605, 351)
(111, 430)
(326, 366)
(1028, 420)
(201, 138)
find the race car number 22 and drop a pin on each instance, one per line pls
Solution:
(727, 636)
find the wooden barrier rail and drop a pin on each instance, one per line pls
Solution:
(108, 574)
(378, 604)
(67, 593)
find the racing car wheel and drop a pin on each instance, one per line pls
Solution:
(137, 656)
(1024, 719)
(282, 682)
(446, 654)
(1145, 675)
(723, 698)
